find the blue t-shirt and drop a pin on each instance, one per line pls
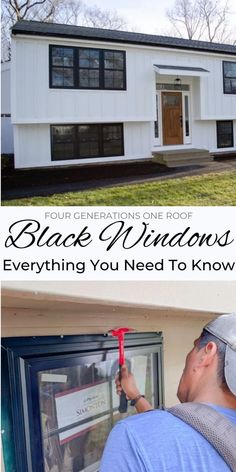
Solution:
(158, 441)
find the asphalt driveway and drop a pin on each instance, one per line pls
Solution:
(48, 181)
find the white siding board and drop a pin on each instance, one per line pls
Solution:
(6, 136)
(6, 125)
(5, 89)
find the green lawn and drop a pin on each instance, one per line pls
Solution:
(205, 190)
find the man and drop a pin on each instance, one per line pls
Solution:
(157, 440)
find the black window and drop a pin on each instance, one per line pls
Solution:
(62, 67)
(59, 402)
(229, 74)
(87, 68)
(225, 134)
(86, 141)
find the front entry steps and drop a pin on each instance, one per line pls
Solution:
(182, 157)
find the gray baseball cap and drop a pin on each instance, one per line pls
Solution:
(224, 328)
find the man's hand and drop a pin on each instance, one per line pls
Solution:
(127, 384)
(130, 388)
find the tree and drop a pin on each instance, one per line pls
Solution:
(201, 19)
(97, 18)
(73, 12)
(14, 10)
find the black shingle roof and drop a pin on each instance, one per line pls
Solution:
(98, 34)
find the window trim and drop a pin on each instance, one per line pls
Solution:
(100, 141)
(232, 134)
(223, 72)
(101, 69)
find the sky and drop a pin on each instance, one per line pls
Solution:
(147, 16)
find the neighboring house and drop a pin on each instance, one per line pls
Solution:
(6, 126)
(86, 95)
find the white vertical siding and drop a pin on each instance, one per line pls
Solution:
(7, 146)
(6, 126)
(5, 87)
(33, 147)
(36, 102)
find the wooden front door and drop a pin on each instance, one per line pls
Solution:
(172, 118)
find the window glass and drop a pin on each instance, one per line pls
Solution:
(89, 58)
(89, 78)
(171, 100)
(62, 67)
(114, 79)
(229, 71)
(172, 87)
(62, 57)
(62, 77)
(63, 139)
(224, 134)
(156, 123)
(186, 110)
(88, 141)
(113, 60)
(79, 406)
(112, 140)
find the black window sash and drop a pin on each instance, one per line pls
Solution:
(77, 68)
(225, 78)
(221, 133)
(76, 137)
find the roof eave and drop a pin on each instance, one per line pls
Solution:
(120, 40)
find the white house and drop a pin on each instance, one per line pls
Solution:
(85, 95)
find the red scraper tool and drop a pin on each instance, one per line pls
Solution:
(120, 334)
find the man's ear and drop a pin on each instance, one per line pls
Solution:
(208, 354)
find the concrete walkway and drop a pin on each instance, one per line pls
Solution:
(44, 182)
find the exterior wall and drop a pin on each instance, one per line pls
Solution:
(204, 135)
(5, 88)
(7, 143)
(39, 105)
(94, 307)
(19, 321)
(33, 147)
(6, 126)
